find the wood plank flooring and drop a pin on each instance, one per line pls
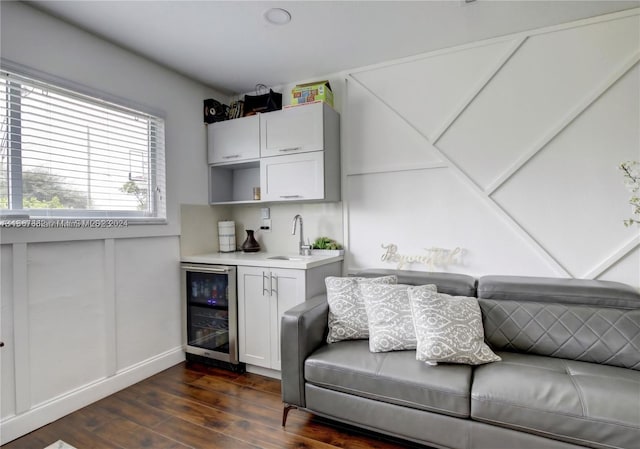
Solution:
(199, 407)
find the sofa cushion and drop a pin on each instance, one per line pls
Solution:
(559, 290)
(449, 283)
(448, 328)
(586, 333)
(582, 403)
(389, 315)
(392, 377)
(347, 315)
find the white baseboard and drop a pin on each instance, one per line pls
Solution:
(264, 371)
(44, 413)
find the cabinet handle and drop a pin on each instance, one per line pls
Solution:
(233, 156)
(274, 291)
(1, 344)
(264, 289)
(291, 196)
(284, 150)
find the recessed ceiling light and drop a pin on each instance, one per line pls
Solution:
(277, 16)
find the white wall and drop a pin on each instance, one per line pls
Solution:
(507, 149)
(319, 220)
(87, 312)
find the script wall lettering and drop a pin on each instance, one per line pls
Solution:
(434, 257)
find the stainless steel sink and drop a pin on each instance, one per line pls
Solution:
(285, 258)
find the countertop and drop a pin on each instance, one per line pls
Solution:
(262, 259)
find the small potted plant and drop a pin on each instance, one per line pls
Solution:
(326, 247)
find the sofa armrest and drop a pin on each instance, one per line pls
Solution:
(303, 330)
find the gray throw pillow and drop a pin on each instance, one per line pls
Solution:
(389, 314)
(347, 315)
(448, 328)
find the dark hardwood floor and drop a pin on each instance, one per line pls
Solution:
(195, 406)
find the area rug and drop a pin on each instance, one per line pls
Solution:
(59, 445)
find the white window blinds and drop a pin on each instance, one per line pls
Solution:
(65, 154)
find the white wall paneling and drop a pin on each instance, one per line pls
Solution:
(564, 123)
(148, 307)
(7, 353)
(433, 208)
(573, 180)
(544, 80)
(626, 267)
(21, 340)
(87, 319)
(109, 298)
(525, 133)
(66, 316)
(395, 146)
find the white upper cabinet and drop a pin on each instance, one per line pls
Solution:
(234, 141)
(292, 155)
(294, 177)
(295, 130)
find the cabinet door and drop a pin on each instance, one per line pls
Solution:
(234, 140)
(292, 130)
(293, 177)
(288, 290)
(254, 311)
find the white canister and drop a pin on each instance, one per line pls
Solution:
(227, 236)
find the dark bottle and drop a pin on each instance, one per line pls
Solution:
(250, 245)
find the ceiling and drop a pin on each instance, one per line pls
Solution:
(228, 45)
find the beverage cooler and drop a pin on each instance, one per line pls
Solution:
(209, 293)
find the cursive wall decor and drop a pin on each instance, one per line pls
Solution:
(434, 257)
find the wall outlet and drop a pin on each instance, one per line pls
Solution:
(266, 225)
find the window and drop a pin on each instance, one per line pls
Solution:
(66, 154)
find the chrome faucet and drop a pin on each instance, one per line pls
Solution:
(304, 250)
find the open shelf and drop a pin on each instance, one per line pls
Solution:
(234, 183)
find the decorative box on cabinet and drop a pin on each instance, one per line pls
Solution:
(309, 127)
(232, 141)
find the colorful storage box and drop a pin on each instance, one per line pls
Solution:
(310, 92)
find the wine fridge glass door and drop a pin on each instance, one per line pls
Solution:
(211, 311)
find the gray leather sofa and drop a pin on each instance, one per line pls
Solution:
(569, 375)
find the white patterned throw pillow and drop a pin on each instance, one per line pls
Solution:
(347, 315)
(448, 328)
(389, 314)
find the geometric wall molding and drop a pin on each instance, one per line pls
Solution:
(396, 146)
(566, 121)
(411, 210)
(627, 267)
(431, 111)
(544, 84)
(571, 182)
(536, 136)
(624, 252)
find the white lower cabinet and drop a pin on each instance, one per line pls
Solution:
(264, 294)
